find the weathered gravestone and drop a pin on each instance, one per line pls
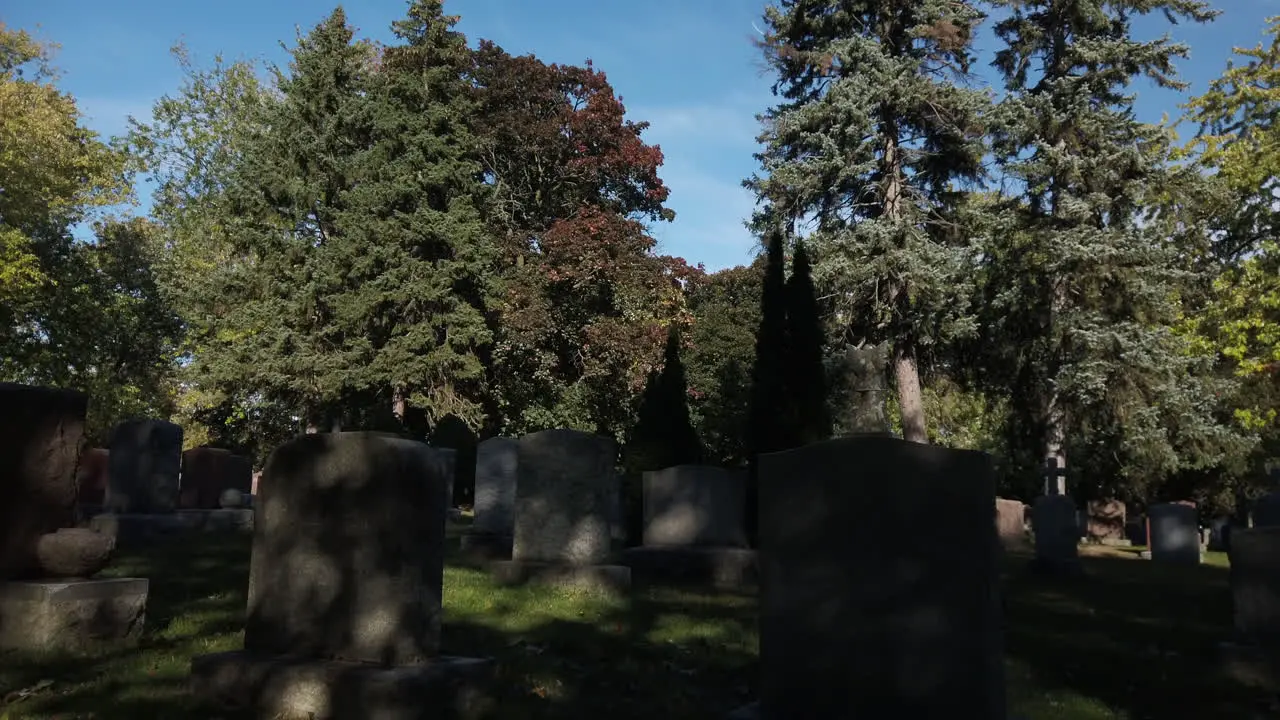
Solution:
(145, 460)
(695, 527)
(207, 472)
(449, 457)
(1057, 535)
(1011, 523)
(1266, 509)
(1175, 533)
(345, 589)
(1252, 657)
(1105, 521)
(48, 597)
(565, 490)
(495, 497)
(903, 629)
(91, 479)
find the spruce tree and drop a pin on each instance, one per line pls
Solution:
(663, 434)
(805, 373)
(1084, 290)
(871, 139)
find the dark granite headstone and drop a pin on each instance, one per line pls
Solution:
(145, 459)
(496, 463)
(855, 626)
(449, 457)
(564, 494)
(91, 477)
(41, 431)
(1175, 533)
(1255, 584)
(695, 505)
(348, 550)
(1057, 533)
(1266, 510)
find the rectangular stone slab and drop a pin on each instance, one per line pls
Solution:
(1255, 584)
(348, 550)
(496, 462)
(690, 505)
(447, 687)
(861, 619)
(72, 615)
(1175, 534)
(205, 471)
(564, 497)
(143, 467)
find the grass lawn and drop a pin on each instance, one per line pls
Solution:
(1131, 640)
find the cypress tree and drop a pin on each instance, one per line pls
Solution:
(805, 373)
(663, 434)
(768, 424)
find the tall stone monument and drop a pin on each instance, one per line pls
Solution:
(564, 495)
(345, 589)
(854, 626)
(695, 527)
(1056, 524)
(497, 461)
(49, 599)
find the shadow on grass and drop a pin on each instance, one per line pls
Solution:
(1139, 637)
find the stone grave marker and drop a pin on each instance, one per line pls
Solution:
(144, 465)
(1105, 521)
(205, 474)
(1011, 523)
(1175, 533)
(91, 479)
(1057, 534)
(345, 588)
(911, 629)
(491, 531)
(49, 599)
(565, 490)
(695, 527)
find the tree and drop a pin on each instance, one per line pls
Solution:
(572, 187)
(870, 140)
(663, 434)
(769, 428)
(1083, 288)
(806, 370)
(726, 315)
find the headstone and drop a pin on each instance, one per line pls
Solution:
(496, 463)
(1255, 584)
(205, 473)
(1055, 478)
(1057, 534)
(1106, 520)
(695, 528)
(145, 460)
(566, 487)
(449, 457)
(695, 505)
(908, 628)
(345, 586)
(91, 478)
(1175, 534)
(1011, 523)
(1266, 510)
(47, 601)
(1220, 534)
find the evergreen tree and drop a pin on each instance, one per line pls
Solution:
(768, 426)
(872, 136)
(805, 373)
(663, 434)
(1084, 289)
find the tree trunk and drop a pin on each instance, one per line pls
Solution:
(399, 404)
(910, 399)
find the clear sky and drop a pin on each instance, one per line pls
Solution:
(686, 66)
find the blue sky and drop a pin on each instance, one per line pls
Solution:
(687, 67)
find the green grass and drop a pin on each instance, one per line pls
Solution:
(1131, 641)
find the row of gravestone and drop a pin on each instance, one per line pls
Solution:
(346, 577)
(144, 470)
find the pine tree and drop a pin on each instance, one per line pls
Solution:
(871, 138)
(769, 429)
(1084, 290)
(805, 373)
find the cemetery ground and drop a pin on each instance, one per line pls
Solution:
(1131, 640)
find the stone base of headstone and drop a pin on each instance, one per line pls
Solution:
(486, 546)
(612, 578)
(222, 519)
(1114, 542)
(719, 567)
(72, 615)
(290, 687)
(139, 530)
